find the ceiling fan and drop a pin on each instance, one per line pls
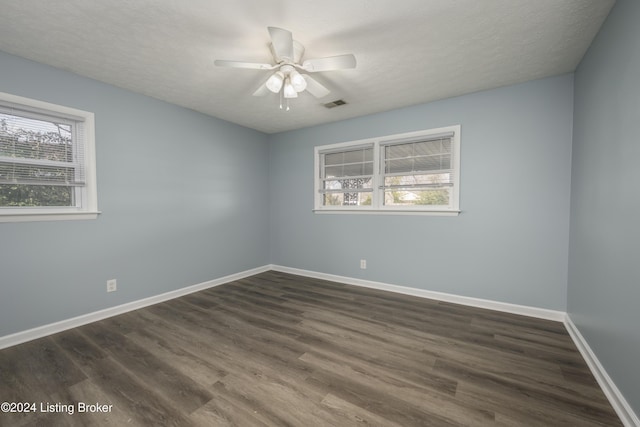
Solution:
(288, 81)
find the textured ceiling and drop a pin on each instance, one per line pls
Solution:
(408, 51)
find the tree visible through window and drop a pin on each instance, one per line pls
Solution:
(32, 183)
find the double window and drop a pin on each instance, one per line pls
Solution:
(412, 172)
(47, 161)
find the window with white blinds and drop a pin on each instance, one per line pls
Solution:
(412, 172)
(347, 176)
(47, 165)
(418, 172)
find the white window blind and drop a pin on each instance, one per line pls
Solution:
(347, 176)
(47, 163)
(418, 172)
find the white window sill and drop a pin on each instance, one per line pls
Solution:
(386, 212)
(47, 216)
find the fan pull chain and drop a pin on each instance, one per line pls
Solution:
(286, 106)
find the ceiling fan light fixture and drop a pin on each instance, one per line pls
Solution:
(289, 90)
(274, 84)
(287, 81)
(297, 81)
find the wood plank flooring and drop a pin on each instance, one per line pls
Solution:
(282, 350)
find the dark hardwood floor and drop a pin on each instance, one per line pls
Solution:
(283, 350)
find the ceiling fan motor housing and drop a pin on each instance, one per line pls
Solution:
(298, 51)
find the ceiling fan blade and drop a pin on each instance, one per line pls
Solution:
(282, 43)
(339, 62)
(240, 64)
(315, 88)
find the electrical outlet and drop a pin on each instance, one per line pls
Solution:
(112, 285)
(363, 264)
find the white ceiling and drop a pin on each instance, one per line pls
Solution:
(408, 51)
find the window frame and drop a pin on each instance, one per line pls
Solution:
(377, 199)
(86, 194)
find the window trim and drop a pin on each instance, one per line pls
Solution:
(377, 206)
(89, 210)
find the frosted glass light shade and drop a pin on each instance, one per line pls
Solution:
(289, 90)
(274, 84)
(297, 81)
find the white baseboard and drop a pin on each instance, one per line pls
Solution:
(523, 310)
(617, 400)
(53, 328)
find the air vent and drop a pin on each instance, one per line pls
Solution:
(336, 103)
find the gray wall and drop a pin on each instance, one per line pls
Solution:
(510, 243)
(183, 197)
(604, 262)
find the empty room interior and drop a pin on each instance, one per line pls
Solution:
(331, 213)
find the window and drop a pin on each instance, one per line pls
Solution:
(352, 169)
(47, 161)
(412, 172)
